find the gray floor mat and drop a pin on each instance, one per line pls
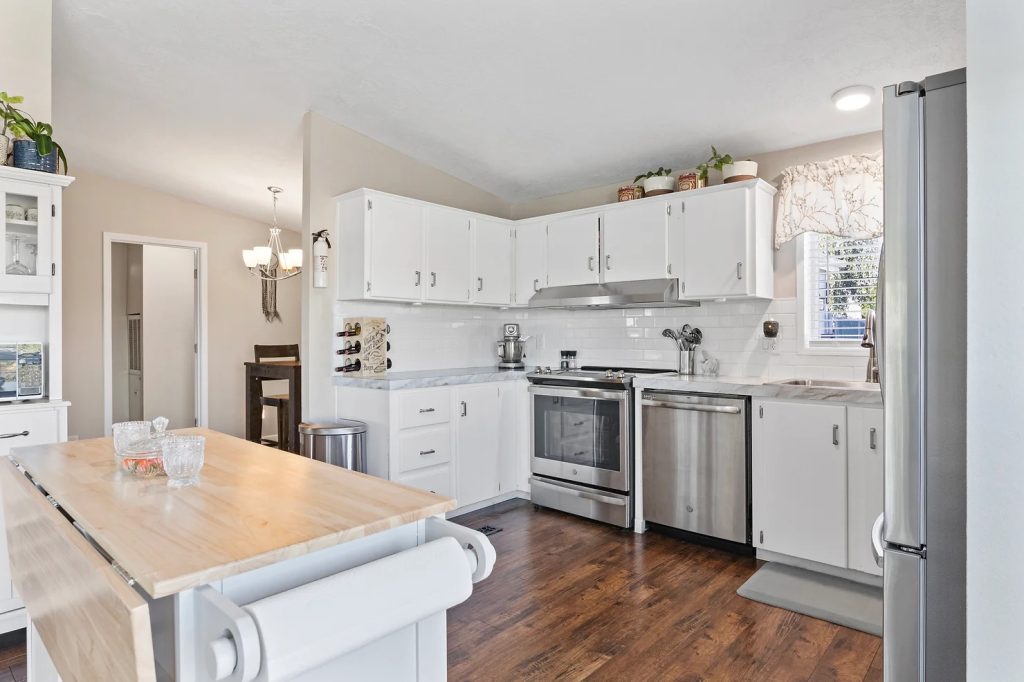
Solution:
(827, 597)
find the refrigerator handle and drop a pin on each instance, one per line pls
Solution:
(877, 548)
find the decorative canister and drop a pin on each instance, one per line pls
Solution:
(690, 180)
(627, 193)
(638, 192)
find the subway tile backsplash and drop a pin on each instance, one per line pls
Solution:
(437, 337)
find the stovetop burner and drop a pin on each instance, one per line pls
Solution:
(593, 373)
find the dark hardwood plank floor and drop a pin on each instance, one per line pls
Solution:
(570, 599)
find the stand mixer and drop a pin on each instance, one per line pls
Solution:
(512, 349)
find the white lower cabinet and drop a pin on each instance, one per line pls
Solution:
(463, 441)
(817, 481)
(866, 478)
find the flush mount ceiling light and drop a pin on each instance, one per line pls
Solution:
(266, 261)
(853, 97)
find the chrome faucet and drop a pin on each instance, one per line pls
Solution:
(869, 342)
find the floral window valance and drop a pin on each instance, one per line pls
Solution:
(841, 196)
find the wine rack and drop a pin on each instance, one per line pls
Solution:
(362, 346)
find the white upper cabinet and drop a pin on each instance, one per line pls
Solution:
(27, 244)
(633, 235)
(531, 259)
(448, 253)
(395, 235)
(799, 480)
(866, 478)
(492, 262)
(573, 250)
(726, 245)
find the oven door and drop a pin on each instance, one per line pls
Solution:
(581, 435)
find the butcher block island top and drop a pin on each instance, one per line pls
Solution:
(254, 506)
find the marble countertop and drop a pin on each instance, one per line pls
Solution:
(758, 387)
(395, 381)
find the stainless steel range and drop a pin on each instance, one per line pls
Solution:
(582, 441)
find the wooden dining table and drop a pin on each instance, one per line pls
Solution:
(287, 370)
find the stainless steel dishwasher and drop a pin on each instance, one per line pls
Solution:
(696, 465)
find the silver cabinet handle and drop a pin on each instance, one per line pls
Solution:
(608, 261)
(13, 435)
(873, 438)
(479, 283)
(465, 409)
(739, 271)
(536, 285)
(418, 278)
(692, 407)
(428, 452)
(668, 269)
(424, 410)
(433, 279)
(590, 263)
(835, 434)
(668, 209)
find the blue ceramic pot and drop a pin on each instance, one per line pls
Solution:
(27, 156)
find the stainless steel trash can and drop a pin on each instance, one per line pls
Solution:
(341, 442)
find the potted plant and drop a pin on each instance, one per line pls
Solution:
(657, 182)
(7, 115)
(716, 161)
(34, 147)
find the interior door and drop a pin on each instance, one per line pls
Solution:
(492, 262)
(634, 241)
(396, 248)
(573, 249)
(715, 227)
(477, 422)
(26, 247)
(799, 488)
(531, 256)
(448, 255)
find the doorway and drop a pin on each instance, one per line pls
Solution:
(154, 329)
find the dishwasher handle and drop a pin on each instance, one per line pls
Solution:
(692, 407)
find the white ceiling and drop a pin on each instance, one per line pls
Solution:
(525, 99)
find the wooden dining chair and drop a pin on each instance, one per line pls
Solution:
(278, 401)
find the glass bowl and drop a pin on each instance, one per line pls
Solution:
(182, 459)
(129, 433)
(143, 465)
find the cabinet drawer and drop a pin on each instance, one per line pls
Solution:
(437, 480)
(422, 408)
(42, 427)
(424, 448)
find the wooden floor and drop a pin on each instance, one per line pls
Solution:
(12, 657)
(572, 599)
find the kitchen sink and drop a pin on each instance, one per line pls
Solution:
(829, 383)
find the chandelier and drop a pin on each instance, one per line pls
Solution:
(272, 262)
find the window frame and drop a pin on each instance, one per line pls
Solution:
(805, 303)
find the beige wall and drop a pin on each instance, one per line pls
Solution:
(95, 204)
(336, 160)
(25, 53)
(770, 166)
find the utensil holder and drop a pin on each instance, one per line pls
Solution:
(686, 361)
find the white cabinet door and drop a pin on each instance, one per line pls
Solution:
(27, 244)
(396, 248)
(799, 487)
(510, 440)
(866, 476)
(531, 260)
(572, 250)
(715, 229)
(492, 262)
(476, 421)
(448, 255)
(634, 241)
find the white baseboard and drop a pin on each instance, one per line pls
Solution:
(13, 620)
(847, 573)
(476, 506)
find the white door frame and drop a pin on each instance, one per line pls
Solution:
(202, 367)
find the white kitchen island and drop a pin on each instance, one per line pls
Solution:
(273, 567)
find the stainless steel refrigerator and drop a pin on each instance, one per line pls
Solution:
(921, 536)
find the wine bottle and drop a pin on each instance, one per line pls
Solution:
(389, 363)
(350, 348)
(351, 366)
(351, 329)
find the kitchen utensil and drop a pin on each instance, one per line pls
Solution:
(670, 334)
(183, 459)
